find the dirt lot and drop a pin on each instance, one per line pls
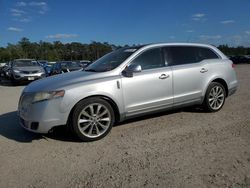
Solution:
(183, 148)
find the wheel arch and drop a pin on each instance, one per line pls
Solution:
(106, 98)
(218, 80)
(222, 82)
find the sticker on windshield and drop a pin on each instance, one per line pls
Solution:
(130, 50)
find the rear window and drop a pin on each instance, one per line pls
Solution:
(70, 65)
(206, 53)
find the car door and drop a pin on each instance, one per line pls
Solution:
(189, 73)
(150, 89)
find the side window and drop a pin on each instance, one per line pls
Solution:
(206, 53)
(150, 59)
(181, 55)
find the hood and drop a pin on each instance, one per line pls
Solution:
(61, 81)
(29, 68)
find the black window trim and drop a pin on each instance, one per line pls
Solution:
(168, 64)
(152, 48)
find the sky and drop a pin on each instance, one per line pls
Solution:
(126, 22)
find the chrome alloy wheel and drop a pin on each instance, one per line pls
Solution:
(94, 120)
(216, 97)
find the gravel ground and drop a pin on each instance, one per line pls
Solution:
(182, 148)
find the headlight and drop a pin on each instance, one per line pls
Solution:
(16, 71)
(42, 96)
(41, 71)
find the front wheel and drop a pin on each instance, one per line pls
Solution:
(215, 97)
(13, 81)
(92, 119)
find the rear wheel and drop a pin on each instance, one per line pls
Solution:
(215, 97)
(92, 119)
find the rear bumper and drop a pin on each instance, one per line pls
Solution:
(231, 91)
(233, 86)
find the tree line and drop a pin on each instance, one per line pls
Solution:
(234, 51)
(75, 51)
(55, 51)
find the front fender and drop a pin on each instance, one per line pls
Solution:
(107, 89)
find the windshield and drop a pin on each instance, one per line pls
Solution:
(43, 62)
(111, 60)
(24, 63)
(70, 64)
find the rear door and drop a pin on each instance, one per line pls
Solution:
(189, 72)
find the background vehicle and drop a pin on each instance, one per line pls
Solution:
(4, 70)
(84, 63)
(25, 70)
(48, 70)
(46, 66)
(126, 83)
(43, 63)
(240, 59)
(64, 67)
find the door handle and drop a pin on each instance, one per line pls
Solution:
(203, 70)
(163, 76)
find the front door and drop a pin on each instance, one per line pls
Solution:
(150, 89)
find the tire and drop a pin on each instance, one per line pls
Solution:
(14, 82)
(92, 119)
(215, 97)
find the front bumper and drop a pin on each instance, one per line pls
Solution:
(28, 77)
(41, 117)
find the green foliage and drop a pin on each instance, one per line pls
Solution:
(240, 50)
(55, 51)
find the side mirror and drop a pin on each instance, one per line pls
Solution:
(133, 68)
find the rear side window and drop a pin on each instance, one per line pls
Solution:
(181, 55)
(150, 59)
(206, 53)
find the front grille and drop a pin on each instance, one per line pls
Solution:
(29, 72)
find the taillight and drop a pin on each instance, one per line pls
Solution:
(233, 65)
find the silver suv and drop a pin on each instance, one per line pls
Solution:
(126, 83)
(25, 70)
